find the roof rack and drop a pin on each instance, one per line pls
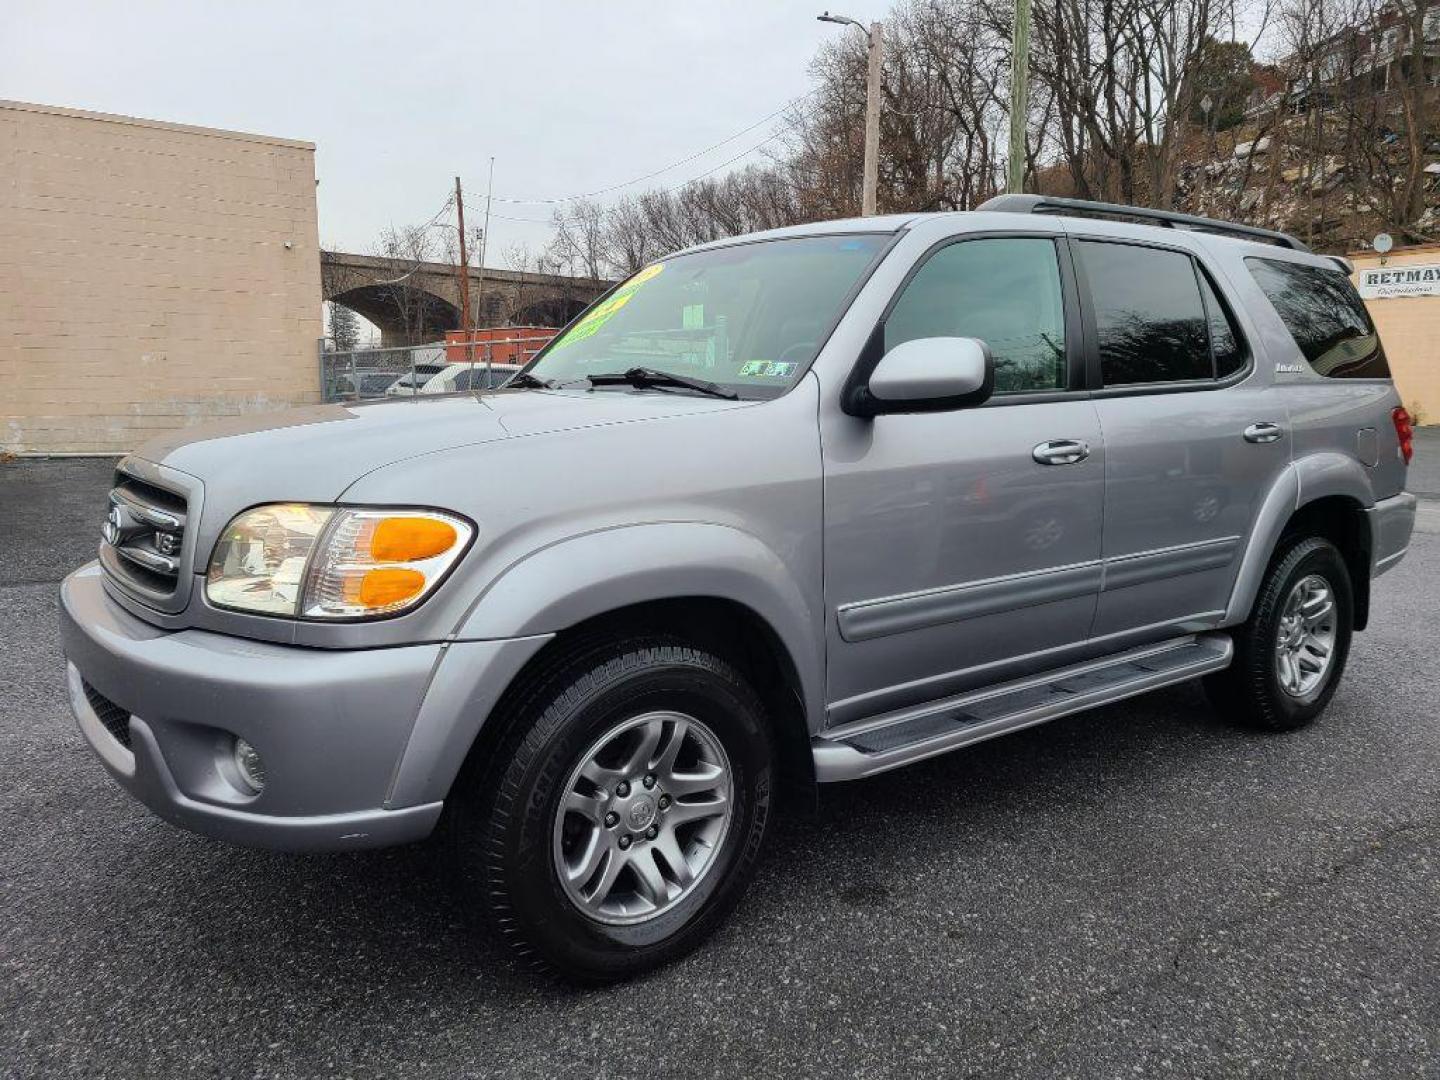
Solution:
(1046, 204)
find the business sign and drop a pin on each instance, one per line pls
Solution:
(1417, 279)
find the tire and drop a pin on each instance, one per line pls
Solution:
(1252, 692)
(517, 832)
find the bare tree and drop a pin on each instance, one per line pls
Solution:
(405, 249)
(1115, 115)
(579, 238)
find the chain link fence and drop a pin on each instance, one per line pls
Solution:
(412, 370)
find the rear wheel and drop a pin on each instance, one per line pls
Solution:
(621, 820)
(1290, 655)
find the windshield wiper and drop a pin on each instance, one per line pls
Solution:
(524, 378)
(644, 376)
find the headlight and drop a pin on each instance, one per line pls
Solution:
(321, 562)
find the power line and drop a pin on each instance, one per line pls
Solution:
(673, 165)
(445, 209)
(450, 202)
(676, 187)
(730, 161)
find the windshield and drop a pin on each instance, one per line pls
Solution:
(749, 318)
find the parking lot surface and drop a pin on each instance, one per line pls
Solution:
(1140, 890)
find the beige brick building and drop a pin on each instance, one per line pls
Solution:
(152, 276)
(1409, 327)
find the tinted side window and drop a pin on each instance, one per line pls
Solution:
(1148, 314)
(1006, 292)
(1325, 316)
(1224, 338)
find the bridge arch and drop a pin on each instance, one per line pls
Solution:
(405, 315)
(417, 302)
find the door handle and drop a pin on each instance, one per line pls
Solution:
(1061, 452)
(1262, 432)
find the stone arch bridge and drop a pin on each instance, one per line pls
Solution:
(414, 302)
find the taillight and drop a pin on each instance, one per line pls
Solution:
(1404, 431)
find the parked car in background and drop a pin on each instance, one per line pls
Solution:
(778, 511)
(351, 385)
(409, 384)
(414, 367)
(455, 378)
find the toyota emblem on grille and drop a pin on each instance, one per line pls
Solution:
(114, 528)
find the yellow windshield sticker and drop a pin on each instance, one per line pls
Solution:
(603, 312)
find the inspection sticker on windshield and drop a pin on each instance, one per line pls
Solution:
(767, 369)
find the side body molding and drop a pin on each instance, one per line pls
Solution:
(1315, 476)
(597, 572)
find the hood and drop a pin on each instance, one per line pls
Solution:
(315, 453)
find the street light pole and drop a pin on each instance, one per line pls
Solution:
(871, 180)
(484, 242)
(872, 126)
(1019, 96)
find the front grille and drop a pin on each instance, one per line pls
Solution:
(115, 719)
(144, 539)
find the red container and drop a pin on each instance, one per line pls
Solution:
(498, 344)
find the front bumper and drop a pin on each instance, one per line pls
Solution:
(331, 726)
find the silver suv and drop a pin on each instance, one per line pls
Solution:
(778, 511)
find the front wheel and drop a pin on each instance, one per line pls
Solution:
(1291, 653)
(622, 819)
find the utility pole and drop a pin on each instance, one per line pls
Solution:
(871, 180)
(1019, 96)
(464, 261)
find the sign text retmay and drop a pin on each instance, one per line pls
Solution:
(1417, 279)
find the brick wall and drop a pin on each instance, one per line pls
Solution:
(145, 281)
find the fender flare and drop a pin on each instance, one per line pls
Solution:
(1325, 474)
(1305, 480)
(564, 583)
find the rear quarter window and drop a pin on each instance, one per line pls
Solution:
(1325, 316)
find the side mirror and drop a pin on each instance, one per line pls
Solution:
(929, 375)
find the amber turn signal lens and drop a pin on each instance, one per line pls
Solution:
(388, 585)
(406, 539)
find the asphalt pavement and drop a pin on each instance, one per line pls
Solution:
(1138, 891)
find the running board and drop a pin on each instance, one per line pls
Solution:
(874, 745)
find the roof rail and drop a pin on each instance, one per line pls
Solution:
(1047, 204)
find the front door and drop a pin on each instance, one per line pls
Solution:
(953, 555)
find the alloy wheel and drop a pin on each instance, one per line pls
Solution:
(1305, 643)
(642, 817)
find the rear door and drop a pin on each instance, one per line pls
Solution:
(1194, 436)
(952, 555)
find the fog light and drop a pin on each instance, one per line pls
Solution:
(249, 765)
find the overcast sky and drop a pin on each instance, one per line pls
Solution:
(400, 97)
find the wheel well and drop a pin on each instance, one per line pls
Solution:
(724, 627)
(1342, 521)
